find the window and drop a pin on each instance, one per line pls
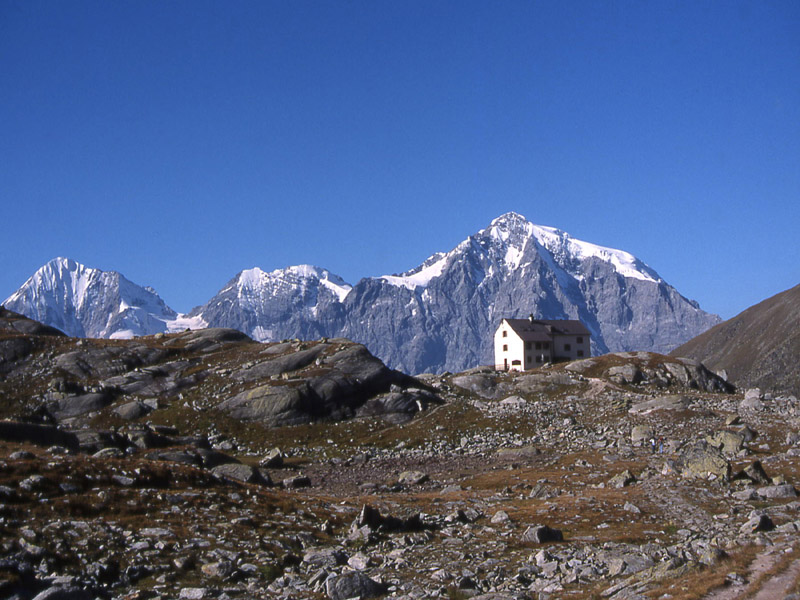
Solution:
(580, 353)
(528, 358)
(579, 340)
(528, 345)
(505, 347)
(505, 333)
(538, 345)
(567, 347)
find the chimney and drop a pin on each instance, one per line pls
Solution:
(530, 318)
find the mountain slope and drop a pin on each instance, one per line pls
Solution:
(759, 347)
(86, 302)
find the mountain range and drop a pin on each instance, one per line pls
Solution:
(439, 316)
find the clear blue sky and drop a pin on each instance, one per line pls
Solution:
(180, 142)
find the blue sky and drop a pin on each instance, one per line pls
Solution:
(180, 142)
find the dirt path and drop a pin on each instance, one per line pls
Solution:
(770, 588)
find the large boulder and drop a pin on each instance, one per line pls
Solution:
(335, 388)
(540, 534)
(727, 441)
(663, 403)
(703, 460)
(353, 585)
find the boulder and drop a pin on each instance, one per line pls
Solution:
(130, 411)
(540, 534)
(483, 385)
(663, 403)
(758, 523)
(622, 480)
(240, 472)
(412, 478)
(73, 406)
(755, 473)
(727, 441)
(703, 460)
(641, 434)
(773, 492)
(353, 585)
(325, 558)
(627, 373)
(273, 459)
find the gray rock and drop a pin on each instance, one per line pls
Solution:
(327, 558)
(273, 459)
(541, 534)
(777, 491)
(663, 403)
(702, 460)
(641, 434)
(64, 593)
(240, 472)
(621, 480)
(727, 441)
(412, 478)
(758, 523)
(130, 411)
(353, 585)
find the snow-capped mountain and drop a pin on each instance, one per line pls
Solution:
(86, 302)
(439, 316)
(442, 315)
(301, 301)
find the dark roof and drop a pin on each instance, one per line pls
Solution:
(542, 329)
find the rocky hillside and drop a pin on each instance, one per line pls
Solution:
(206, 465)
(758, 348)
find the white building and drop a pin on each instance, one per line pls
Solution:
(521, 344)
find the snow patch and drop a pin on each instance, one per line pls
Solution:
(419, 278)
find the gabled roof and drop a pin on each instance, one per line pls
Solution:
(543, 329)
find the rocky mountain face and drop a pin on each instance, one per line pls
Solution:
(442, 315)
(297, 302)
(86, 302)
(760, 347)
(202, 464)
(439, 316)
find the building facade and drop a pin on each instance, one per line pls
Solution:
(522, 344)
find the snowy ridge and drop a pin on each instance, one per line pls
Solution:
(253, 283)
(432, 268)
(82, 301)
(515, 231)
(511, 234)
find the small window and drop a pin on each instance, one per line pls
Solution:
(538, 345)
(528, 345)
(567, 347)
(528, 358)
(580, 353)
(579, 340)
(505, 333)
(505, 347)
